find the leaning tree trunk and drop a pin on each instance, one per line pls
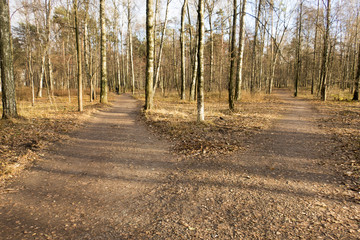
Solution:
(241, 52)
(200, 84)
(149, 54)
(232, 61)
(324, 65)
(182, 47)
(103, 73)
(6, 63)
(158, 65)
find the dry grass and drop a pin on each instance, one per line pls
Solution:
(221, 132)
(22, 140)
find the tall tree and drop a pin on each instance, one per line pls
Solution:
(150, 44)
(6, 63)
(298, 49)
(357, 79)
(325, 55)
(103, 70)
(254, 48)
(78, 53)
(240, 52)
(200, 84)
(232, 60)
(130, 47)
(182, 46)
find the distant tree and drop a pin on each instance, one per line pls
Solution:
(149, 54)
(103, 70)
(6, 63)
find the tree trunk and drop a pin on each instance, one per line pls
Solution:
(315, 65)
(241, 52)
(232, 60)
(149, 54)
(200, 84)
(182, 47)
(86, 53)
(158, 65)
(103, 70)
(131, 57)
(78, 54)
(325, 57)
(6, 63)
(254, 50)
(357, 79)
(298, 50)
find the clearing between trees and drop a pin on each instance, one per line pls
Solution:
(114, 179)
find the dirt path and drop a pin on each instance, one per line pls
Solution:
(114, 180)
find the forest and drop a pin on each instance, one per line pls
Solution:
(242, 101)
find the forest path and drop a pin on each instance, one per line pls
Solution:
(121, 183)
(84, 186)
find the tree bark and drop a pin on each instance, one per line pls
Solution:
(78, 53)
(298, 50)
(149, 54)
(254, 50)
(325, 57)
(6, 63)
(241, 52)
(103, 71)
(232, 60)
(182, 47)
(357, 79)
(200, 84)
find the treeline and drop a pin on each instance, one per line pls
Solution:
(247, 45)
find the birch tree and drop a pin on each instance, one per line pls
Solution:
(103, 70)
(200, 83)
(182, 46)
(149, 54)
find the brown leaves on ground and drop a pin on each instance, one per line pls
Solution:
(221, 132)
(342, 120)
(21, 140)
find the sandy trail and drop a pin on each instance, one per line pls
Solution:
(115, 180)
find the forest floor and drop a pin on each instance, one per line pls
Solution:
(266, 172)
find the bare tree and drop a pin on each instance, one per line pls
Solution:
(200, 84)
(232, 60)
(182, 46)
(149, 54)
(298, 49)
(240, 52)
(325, 56)
(78, 53)
(357, 79)
(103, 70)
(6, 63)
